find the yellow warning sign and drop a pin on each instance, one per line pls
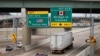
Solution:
(37, 12)
(62, 24)
(13, 37)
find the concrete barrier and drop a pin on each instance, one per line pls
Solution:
(83, 29)
(97, 43)
(6, 32)
(86, 51)
(42, 42)
(40, 31)
(28, 47)
(13, 53)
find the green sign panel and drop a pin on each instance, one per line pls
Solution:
(61, 14)
(61, 17)
(37, 20)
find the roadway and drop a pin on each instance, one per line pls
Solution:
(79, 45)
(97, 52)
(4, 41)
(7, 41)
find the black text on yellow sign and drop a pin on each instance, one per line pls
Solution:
(13, 37)
(61, 24)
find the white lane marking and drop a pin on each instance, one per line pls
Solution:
(78, 48)
(65, 55)
(75, 50)
(2, 50)
(27, 53)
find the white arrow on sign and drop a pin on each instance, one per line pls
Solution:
(30, 22)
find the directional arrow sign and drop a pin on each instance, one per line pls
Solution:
(37, 19)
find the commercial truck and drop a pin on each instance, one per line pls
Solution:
(61, 41)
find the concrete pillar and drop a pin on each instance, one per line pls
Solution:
(26, 32)
(26, 36)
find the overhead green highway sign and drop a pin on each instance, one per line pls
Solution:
(61, 17)
(37, 19)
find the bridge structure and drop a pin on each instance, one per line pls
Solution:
(78, 6)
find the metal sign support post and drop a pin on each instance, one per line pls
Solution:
(15, 30)
(92, 39)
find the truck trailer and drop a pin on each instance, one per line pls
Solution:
(61, 41)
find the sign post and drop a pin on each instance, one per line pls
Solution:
(14, 34)
(92, 38)
(37, 19)
(61, 17)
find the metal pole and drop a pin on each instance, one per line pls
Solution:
(15, 29)
(91, 30)
(91, 22)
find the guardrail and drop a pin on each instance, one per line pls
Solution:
(86, 51)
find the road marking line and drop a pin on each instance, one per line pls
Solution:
(75, 50)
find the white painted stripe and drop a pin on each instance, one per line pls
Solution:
(85, 52)
(74, 50)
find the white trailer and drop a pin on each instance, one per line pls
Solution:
(60, 41)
